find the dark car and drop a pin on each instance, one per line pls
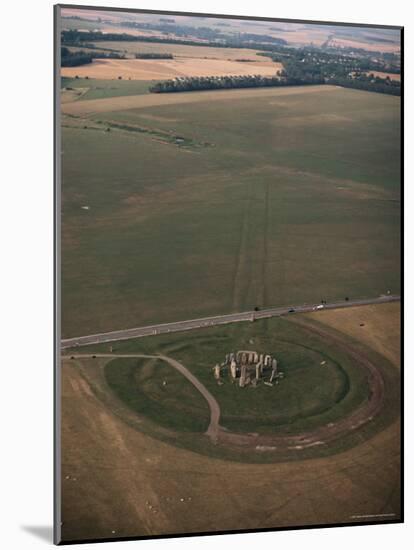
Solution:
(291, 310)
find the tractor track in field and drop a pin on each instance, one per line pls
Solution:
(241, 280)
(265, 244)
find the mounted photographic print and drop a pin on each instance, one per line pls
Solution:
(228, 274)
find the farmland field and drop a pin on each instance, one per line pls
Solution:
(146, 69)
(85, 88)
(183, 50)
(184, 205)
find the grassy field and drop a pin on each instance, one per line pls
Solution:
(378, 327)
(151, 388)
(286, 199)
(89, 88)
(320, 384)
(117, 480)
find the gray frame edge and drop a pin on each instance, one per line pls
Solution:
(57, 496)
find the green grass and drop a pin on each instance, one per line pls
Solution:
(309, 396)
(296, 199)
(151, 388)
(100, 89)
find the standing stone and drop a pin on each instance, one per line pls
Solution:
(242, 376)
(217, 372)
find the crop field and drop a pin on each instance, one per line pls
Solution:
(183, 50)
(163, 69)
(125, 449)
(184, 205)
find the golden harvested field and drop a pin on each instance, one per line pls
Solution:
(122, 103)
(118, 482)
(156, 69)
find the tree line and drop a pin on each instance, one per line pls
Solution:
(204, 33)
(188, 84)
(154, 56)
(319, 67)
(81, 57)
(73, 37)
(379, 85)
(329, 64)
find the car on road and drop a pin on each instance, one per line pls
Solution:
(291, 310)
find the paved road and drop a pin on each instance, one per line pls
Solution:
(180, 326)
(213, 428)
